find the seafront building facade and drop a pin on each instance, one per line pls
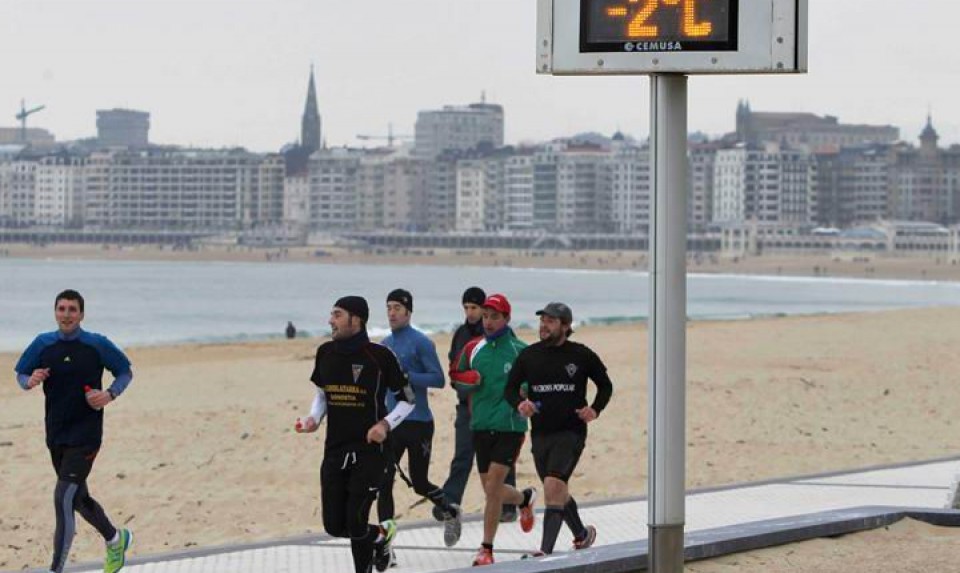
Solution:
(779, 174)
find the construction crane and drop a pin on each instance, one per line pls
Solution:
(389, 137)
(22, 118)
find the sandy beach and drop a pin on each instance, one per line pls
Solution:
(824, 265)
(201, 451)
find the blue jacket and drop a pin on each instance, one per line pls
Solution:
(75, 360)
(418, 358)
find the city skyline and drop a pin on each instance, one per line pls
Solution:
(241, 82)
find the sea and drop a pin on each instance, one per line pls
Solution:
(138, 303)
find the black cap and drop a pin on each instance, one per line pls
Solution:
(558, 310)
(474, 295)
(402, 296)
(355, 305)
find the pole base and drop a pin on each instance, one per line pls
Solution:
(666, 548)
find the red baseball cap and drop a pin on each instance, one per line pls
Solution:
(497, 302)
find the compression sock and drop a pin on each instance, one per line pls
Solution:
(571, 515)
(552, 522)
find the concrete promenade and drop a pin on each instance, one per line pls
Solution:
(719, 521)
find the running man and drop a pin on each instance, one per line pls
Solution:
(555, 371)
(498, 431)
(462, 462)
(69, 363)
(418, 360)
(352, 376)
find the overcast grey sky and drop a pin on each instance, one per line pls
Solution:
(234, 72)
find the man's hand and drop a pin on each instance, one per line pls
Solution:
(98, 399)
(306, 426)
(38, 377)
(378, 432)
(587, 414)
(527, 408)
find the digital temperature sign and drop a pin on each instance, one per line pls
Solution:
(658, 25)
(609, 37)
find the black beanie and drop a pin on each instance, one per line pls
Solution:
(474, 295)
(355, 305)
(402, 296)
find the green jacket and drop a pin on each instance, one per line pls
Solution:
(493, 360)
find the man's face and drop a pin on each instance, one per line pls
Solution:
(68, 315)
(552, 331)
(472, 312)
(397, 315)
(343, 324)
(493, 320)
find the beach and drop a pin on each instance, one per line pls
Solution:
(839, 265)
(201, 451)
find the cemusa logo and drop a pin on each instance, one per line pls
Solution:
(357, 369)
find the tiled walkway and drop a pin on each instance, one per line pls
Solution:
(621, 524)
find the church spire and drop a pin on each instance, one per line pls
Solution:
(310, 124)
(929, 137)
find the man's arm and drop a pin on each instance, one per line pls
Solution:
(116, 362)
(120, 383)
(318, 409)
(29, 372)
(452, 353)
(511, 392)
(397, 383)
(432, 377)
(604, 386)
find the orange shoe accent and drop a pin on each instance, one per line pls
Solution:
(484, 557)
(527, 517)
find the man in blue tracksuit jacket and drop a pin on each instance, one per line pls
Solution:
(69, 364)
(417, 355)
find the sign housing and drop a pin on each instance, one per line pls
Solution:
(601, 37)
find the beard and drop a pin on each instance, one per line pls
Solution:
(551, 338)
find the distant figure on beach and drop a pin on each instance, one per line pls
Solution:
(291, 330)
(352, 377)
(414, 438)
(556, 371)
(69, 363)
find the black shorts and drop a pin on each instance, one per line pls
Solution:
(556, 454)
(73, 463)
(497, 447)
(353, 471)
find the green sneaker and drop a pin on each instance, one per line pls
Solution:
(382, 552)
(117, 554)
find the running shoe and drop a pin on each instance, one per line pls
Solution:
(527, 516)
(484, 557)
(381, 549)
(587, 540)
(452, 524)
(117, 553)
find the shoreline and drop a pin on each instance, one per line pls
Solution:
(524, 330)
(837, 265)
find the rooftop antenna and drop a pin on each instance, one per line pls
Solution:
(22, 118)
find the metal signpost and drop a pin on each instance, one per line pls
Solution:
(668, 40)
